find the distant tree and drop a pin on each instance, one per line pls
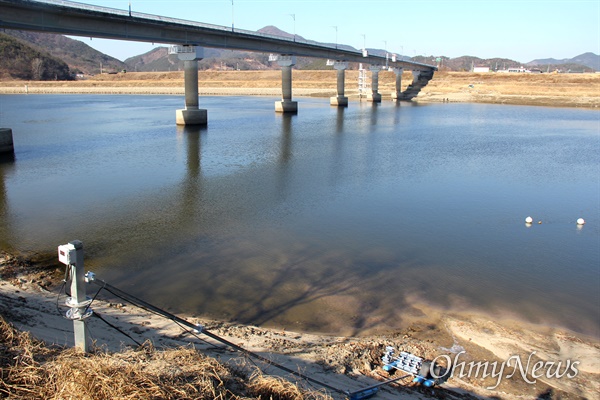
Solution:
(37, 69)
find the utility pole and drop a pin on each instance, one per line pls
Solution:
(336, 35)
(294, 18)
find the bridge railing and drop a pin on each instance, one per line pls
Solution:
(342, 50)
(126, 13)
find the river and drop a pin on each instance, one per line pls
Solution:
(340, 221)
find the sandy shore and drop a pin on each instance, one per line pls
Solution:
(29, 300)
(559, 90)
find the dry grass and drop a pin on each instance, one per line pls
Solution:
(563, 90)
(31, 370)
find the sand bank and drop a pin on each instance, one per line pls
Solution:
(28, 298)
(559, 90)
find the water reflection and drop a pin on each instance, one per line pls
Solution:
(193, 136)
(337, 154)
(339, 120)
(374, 112)
(335, 219)
(193, 184)
(286, 137)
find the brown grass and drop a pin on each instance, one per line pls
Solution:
(31, 370)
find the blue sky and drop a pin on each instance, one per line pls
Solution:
(518, 30)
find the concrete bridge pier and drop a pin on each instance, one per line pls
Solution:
(396, 95)
(6, 141)
(286, 62)
(191, 115)
(374, 96)
(340, 100)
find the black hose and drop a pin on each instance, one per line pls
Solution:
(147, 306)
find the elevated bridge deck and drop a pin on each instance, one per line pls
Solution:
(189, 37)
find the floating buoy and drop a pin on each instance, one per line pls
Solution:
(528, 220)
(580, 221)
(539, 222)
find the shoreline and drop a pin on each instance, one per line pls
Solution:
(29, 301)
(28, 296)
(424, 97)
(555, 90)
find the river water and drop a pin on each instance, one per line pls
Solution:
(341, 221)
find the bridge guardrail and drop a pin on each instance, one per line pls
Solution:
(152, 17)
(125, 13)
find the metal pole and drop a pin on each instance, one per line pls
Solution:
(78, 293)
(336, 36)
(294, 17)
(71, 254)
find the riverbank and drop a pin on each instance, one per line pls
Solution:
(29, 293)
(559, 90)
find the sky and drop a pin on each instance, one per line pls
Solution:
(518, 30)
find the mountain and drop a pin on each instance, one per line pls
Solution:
(589, 60)
(20, 60)
(466, 63)
(219, 59)
(80, 57)
(275, 31)
(159, 59)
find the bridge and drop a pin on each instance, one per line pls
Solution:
(188, 39)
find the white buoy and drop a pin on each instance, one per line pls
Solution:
(580, 221)
(528, 220)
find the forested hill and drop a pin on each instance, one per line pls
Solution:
(22, 61)
(81, 58)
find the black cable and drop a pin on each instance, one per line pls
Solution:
(62, 287)
(93, 298)
(190, 332)
(149, 307)
(58, 297)
(117, 328)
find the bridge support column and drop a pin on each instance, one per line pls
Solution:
(6, 141)
(191, 115)
(286, 105)
(374, 96)
(398, 92)
(340, 100)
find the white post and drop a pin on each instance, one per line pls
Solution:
(71, 254)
